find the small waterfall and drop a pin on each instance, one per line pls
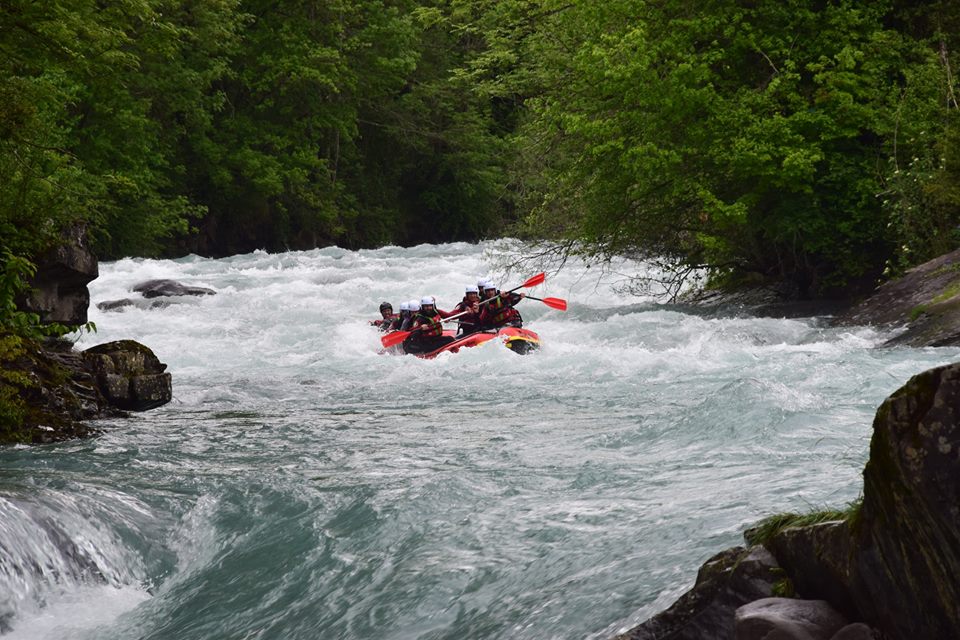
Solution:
(48, 547)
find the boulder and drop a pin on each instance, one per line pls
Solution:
(113, 305)
(817, 559)
(855, 631)
(725, 582)
(51, 393)
(895, 565)
(59, 389)
(129, 375)
(118, 305)
(925, 301)
(788, 619)
(157, 288)
(59, 286)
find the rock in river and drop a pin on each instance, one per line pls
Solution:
(157, 288)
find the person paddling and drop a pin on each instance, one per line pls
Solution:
(470, 308)
(498, 308)
(403, 315)
(387, 316)
(427, 328)
(413, 306)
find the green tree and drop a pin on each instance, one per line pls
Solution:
(745, 137)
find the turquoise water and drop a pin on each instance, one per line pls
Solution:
(302, 486)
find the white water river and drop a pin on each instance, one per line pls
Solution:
(301, 486)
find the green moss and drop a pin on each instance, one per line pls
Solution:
(12, 414)
(917, 311)
(948, 293)
(13, 382)
(768, 528)
(854, 513)
(953, 267)
(784, 588)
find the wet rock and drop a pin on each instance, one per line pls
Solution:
(855, 631)
(126, 303)
(59, 286)
(788, 619)
(725, 582)
(130, 375)
(158, 288)
(62, 390)
(113, 305)
(759, 300)
(926, 300)
(817, 559)
(895, 565)
(52, 394)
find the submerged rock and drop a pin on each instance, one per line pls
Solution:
(113, 305)
(158, 288)
(125, 303)
(156, 294)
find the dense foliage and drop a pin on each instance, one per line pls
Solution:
(804, 142)
(811, 143)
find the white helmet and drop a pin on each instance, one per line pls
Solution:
(488, 284)
(427, 300)
(404, 306)
(472, 289)
(414, 305)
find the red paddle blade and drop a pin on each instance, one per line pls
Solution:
(556, 303)
(394, 338)
(535, 280)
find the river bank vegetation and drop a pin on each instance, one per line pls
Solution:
(809, 143)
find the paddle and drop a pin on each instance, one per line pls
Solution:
(532, 282)
(554, 303)
(394, 338)
(397, 337)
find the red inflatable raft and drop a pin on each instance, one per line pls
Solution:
(518, 340)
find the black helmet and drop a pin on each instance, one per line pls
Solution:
(386, 305)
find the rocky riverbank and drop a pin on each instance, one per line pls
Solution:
(885, 568)
(60, 390)
(923, 304)
(48, 390)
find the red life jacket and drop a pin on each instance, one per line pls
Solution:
(431, 325)
(499, 312)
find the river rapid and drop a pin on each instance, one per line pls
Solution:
(302, 486)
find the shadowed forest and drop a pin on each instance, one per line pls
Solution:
(808, 143)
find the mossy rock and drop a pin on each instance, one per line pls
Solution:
(45, 395)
